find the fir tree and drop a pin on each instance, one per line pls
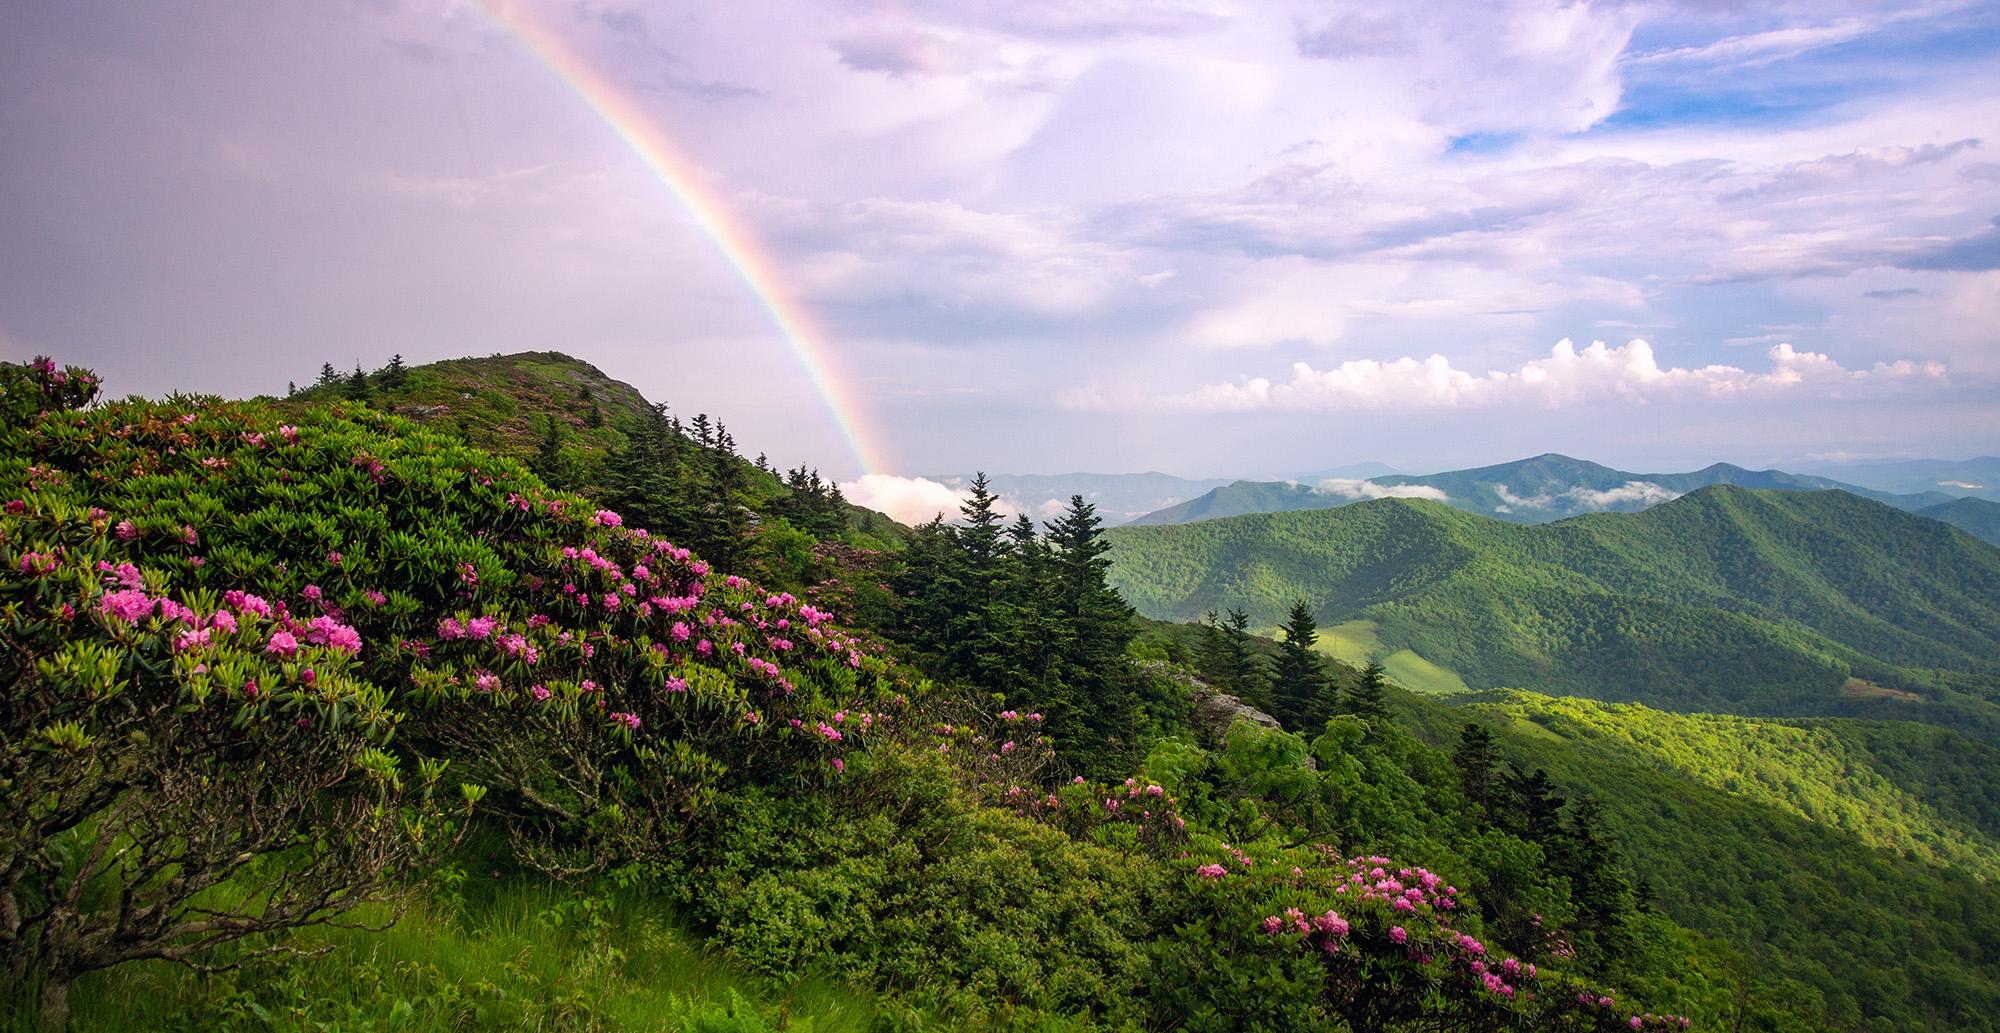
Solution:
(1477, 758)
(1244, 677)
(1365, 697)
(1091, 697)
(981, 628)
(327, 375)
(1534, 811)
(1599, 884)
(395, 374)
(1299, 686)
(357, 384)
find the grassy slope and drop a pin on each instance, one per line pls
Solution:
(503, 403)
(1726, 598)
(522, 955)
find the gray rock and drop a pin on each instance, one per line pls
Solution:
(1215, 712)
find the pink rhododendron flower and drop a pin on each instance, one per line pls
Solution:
(282, 643)
(128, 605)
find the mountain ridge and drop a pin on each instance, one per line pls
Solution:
(1542, 489)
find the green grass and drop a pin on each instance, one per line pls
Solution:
(1356, 642)
(523, 956)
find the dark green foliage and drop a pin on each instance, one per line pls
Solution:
(1225, 658)
(1365, 697)
(973, 592)
(393, 376)
(1478, 761)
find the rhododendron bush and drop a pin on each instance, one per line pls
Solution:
(203, 594)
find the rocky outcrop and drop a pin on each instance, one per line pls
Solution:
(1215, 712)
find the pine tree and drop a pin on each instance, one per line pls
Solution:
(1477, 758)
(1299, 686)
(327, 375)
(1365, 697)
(357, 384)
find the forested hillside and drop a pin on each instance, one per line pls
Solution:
(1764, 602)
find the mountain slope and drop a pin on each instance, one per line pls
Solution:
(1749, 829)
(1976, 517)
(1538, 490)
(1774, 602)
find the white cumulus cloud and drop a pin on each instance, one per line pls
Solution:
(1645, 493)
(915, 500)
(1351, 488)
(1569, 374)
(907, 500)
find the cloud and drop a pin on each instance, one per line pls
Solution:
(901, 50)
(915, 500)
(1761, 47)
(1569, 375)
(907, 500)
(1351, 488)
(1892, 293)
(1645, 493)
(1976, 253)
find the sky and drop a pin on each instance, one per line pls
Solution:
(1208, 237)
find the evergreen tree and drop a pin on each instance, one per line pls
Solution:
(1245, 678)
(395, 374)
(928, 584)
(1365, 697)
(981, 627)
(327, 375)
(1298, 680)
(1599, 884)
(357, 384)
(548, 455)
(1477, 758)
(1090, 709)
(1533, 810)
(646, 479)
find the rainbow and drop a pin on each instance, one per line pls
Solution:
(683, 180)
